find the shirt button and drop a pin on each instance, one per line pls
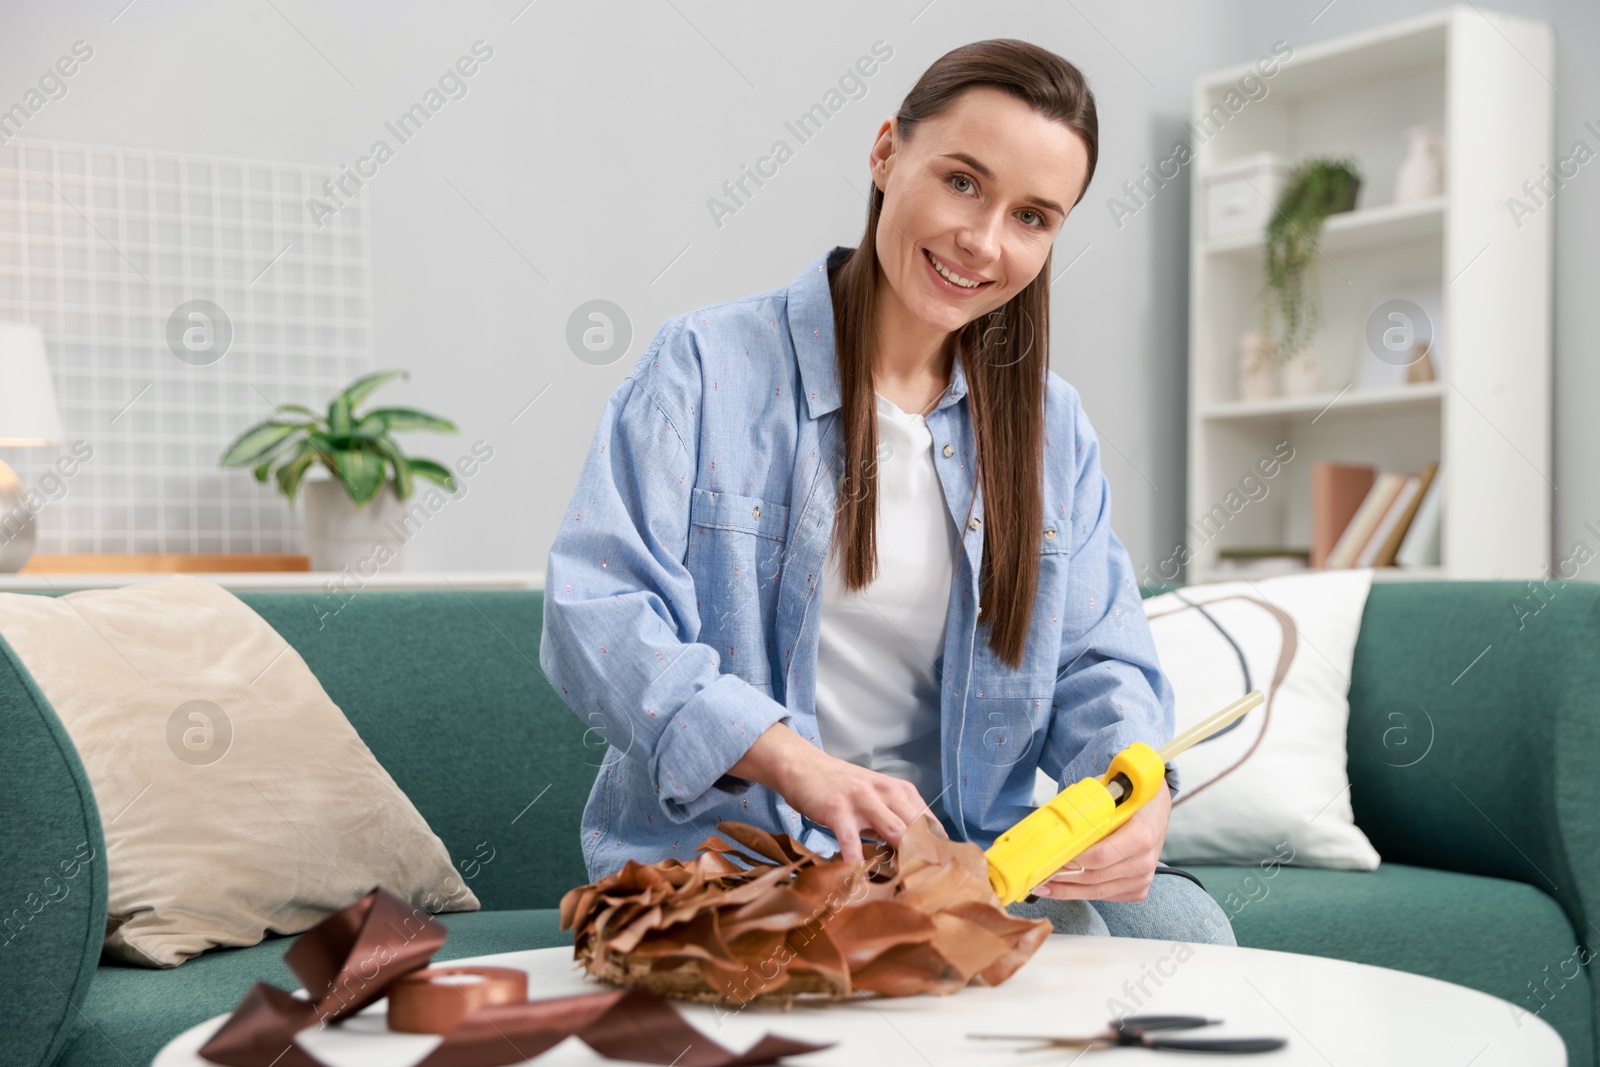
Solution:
(949, 450)
(1049, 533)
(975, 523)
(755, 512)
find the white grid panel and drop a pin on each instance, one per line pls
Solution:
(98, 246)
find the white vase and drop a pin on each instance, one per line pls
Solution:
(1257, 378)
(339, 534)
(1301, 373)
(1421, 173)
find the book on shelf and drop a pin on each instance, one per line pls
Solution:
(1368, 555)
(1365, 520)
(1419, 545)
(1387, 554)
(1380, 525)
(1337, 490)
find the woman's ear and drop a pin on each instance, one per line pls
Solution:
(880, 158)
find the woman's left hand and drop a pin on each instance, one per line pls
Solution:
(1122, 865)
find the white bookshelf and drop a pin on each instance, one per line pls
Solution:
(1486, 78)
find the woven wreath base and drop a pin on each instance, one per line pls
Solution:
(790, 923)
(685, 982)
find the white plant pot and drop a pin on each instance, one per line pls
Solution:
(1301, 373)
(1421, 173)
(339, 534)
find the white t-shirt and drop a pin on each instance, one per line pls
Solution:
(877, 688)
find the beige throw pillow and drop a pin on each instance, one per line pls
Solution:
(235, 797)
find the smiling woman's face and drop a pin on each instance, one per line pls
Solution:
(981, 190)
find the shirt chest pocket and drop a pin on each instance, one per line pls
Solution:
(730, 511)
(735, 554)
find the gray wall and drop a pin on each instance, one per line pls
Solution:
(578, 165)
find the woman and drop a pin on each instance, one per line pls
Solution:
(717, 607)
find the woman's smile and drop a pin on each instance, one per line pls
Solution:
(952, 280)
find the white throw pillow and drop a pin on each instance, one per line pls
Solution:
(235, 797)
(1274, 785)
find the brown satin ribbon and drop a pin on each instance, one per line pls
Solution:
(361, 952)
(434, 999)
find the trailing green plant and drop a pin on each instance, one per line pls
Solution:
(1316, 188)
(355, 447)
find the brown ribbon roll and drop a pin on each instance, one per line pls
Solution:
(360, 953)
(435, 999)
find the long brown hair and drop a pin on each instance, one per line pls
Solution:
(1005, 353)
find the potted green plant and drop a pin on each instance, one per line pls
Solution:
(1316, 188)
(348, 516)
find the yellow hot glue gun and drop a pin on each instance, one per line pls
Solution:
(1033, 850)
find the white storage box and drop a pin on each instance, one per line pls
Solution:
(1241, 196)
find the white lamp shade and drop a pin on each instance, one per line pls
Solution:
(28, 413)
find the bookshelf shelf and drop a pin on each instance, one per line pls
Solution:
(1362, 229)
(1485, 78)
(1327, 405)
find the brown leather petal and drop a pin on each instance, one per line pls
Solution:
(1023, 937)
(721, 849)
(907, 970)
(757, 840)
(865, 932)
(968, 946)
(822, 957)
(780, 908)
(698, 937)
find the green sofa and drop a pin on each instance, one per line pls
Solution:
(1491, 841)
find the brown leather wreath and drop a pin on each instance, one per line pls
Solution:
(922, 919)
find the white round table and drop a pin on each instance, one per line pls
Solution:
(1330, 1011)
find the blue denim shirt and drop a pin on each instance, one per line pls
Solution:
(683, 587)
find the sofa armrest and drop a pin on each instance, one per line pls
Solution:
(53, 880)
(1475, 731)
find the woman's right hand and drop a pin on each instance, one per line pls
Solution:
(847, 799)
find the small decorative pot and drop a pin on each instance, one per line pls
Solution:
(1421, 173)
(1257, 377)
(339, 534)
(1301, 373)
(1420, 370)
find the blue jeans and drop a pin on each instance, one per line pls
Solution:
(1176, 909)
